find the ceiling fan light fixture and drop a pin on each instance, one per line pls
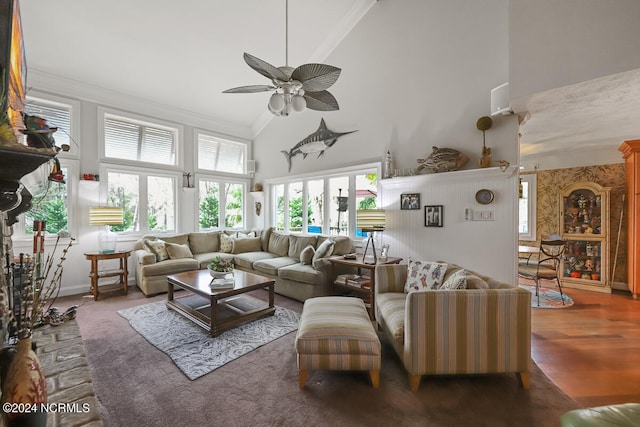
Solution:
(298, 103)
(276, 102)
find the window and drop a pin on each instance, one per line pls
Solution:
(527, 207)
(147, 198)
(56, 114)
(220, 202)
(50, 200)
(129, 139)
(331, 201)
(220, 155)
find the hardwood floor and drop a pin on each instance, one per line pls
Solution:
(592, 349)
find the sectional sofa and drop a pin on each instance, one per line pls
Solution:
(298, 262)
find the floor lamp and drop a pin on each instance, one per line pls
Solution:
(107, 240)
(370, 221)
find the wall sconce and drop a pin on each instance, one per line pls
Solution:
(258, 208)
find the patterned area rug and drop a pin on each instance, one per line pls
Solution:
(549, 298)
(191, 348)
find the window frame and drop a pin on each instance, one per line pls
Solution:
(222, 203)
(208, 172)
(74, 119)
(105, 168)
(531, 180)
(104, 112)
(326, 176)
(20, 237)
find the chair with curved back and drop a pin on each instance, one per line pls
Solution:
(546, 267)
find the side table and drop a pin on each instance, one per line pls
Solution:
(360, 265)
(96, 274)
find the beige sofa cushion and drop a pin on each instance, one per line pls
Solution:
(271, 266)
(246, 260)
(279, 244)
(392, 308)
(306, 256)
(297, 243)
(301, 273)
(264, 237)
(343, 244)
(180, 239)
(176, 251)
(201, 243)
(169, 266)
(246, 244)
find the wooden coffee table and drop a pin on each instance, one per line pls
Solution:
(217, 310)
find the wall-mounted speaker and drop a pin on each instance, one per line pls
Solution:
(251, 166)
(500, 100)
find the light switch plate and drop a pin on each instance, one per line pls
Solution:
(484, 215)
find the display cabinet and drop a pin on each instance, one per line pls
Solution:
(584, 224)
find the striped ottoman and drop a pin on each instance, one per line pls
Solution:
(336, 333)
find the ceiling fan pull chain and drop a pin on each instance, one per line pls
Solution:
(286, 33)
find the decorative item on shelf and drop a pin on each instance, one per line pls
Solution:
(294, 89)
(433, 216)
(257, 187)
(443, 160)
(483, 124)
(187, 182)
(370, 221)
(387, 166)
(410, 201)
(317, 142)
(90, 177)
(106, 216)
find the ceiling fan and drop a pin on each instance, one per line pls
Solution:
(294, 89)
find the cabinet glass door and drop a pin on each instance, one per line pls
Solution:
(583, 259)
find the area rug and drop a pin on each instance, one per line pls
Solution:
(191, 348)
(549, 298)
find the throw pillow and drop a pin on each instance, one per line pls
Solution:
(241, 235)
(424, 275)
(457, 280)
(475, 282)
(324, 250)
(306, 256)
(158, 248)
(246, 244)
(279, 243)
(226, 243)
(176, 251)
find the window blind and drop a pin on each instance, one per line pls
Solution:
(58, 116)
(220, 155)
(139, 142)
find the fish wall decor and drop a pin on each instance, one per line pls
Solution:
(317, 142)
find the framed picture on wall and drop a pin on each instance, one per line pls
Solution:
(410, 201)
(433, 215)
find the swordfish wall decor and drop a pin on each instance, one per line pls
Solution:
(318, 141)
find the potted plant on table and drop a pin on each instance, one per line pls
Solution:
(219, 267)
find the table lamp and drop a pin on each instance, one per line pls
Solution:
(370, 221)
(107, 240)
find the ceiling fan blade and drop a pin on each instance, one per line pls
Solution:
(264, 68)
(316, 77)
(250, 89)
(321, 101)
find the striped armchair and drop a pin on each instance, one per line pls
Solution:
(466, 331)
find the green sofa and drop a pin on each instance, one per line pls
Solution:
(266, 252)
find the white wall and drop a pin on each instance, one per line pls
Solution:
(556, 43)
(488, 247)
(415, 73)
